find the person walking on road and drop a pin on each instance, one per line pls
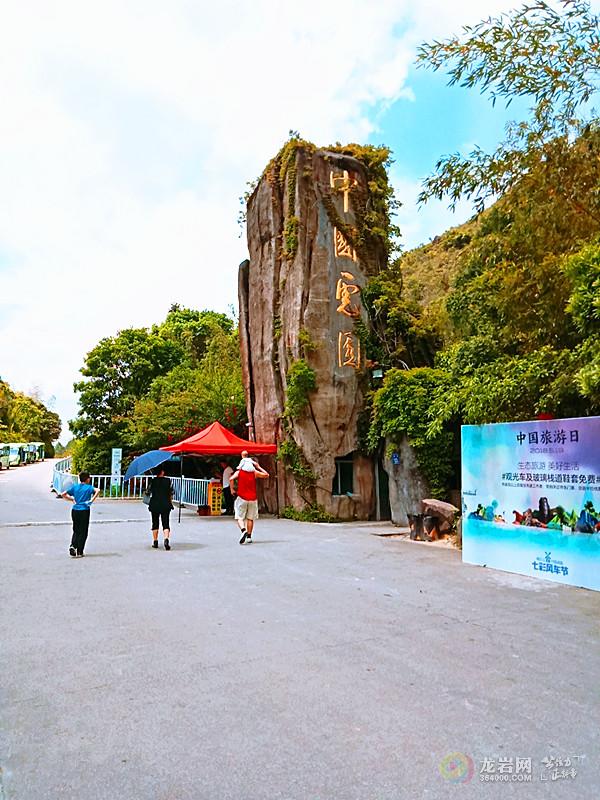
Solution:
(82, 495)
(246, 503)
(160, 506)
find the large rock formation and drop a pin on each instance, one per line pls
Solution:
(407, 486)
(300, 318)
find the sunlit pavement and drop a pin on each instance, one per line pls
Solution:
(319, 662)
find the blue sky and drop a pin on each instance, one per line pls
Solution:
(448, 119)
(129, 131)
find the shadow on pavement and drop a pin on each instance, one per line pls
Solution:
(104, 555)
(185, 546)
(269, 541)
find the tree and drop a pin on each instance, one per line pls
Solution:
(144, 387)
(24, 418)
(550, 57)
(401, 332)
(32, 421)
(6, 400)
(402, 407)
(583, 269)
(193, 330)
(119, 371)
(187, 399)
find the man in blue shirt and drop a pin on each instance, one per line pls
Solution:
(82, 495)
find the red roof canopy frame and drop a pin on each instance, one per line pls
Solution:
(215, 440)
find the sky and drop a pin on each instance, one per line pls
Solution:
(128, 132)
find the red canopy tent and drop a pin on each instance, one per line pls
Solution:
(215, 440)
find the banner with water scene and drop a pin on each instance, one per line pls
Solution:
(531, 498)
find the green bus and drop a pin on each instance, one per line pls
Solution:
(30, 453)
(4, 456)
(17, 454)
(39, 450)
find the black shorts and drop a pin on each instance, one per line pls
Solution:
(163, 516)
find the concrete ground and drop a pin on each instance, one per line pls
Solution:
(319, 662)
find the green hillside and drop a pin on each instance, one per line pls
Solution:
(497, 319)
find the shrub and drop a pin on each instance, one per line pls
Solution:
(310, 513)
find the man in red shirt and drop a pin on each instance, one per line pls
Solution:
(246, 505)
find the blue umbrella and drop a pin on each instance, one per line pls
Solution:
(145, 462)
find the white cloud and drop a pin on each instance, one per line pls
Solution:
(128, 132)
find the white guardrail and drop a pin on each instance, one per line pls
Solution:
(195, 490)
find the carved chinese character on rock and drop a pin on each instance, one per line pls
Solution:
(343, 248)
(343, 183)
(348, 350)
(344, 293)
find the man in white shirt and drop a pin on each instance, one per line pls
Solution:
(227, 497)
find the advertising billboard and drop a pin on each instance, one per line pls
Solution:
(531, 498)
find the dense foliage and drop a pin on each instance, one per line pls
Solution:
(146, 387)
(500, 319)
(516, 335)
(402, 407)
(26, 419)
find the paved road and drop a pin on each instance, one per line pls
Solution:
(320, 662)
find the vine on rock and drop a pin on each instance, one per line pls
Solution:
(282, 172)
(301, 380)
(291, 456)
(375, 237)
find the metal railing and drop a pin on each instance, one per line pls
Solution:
(61, 475)
(195, 490)
(119, 488)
